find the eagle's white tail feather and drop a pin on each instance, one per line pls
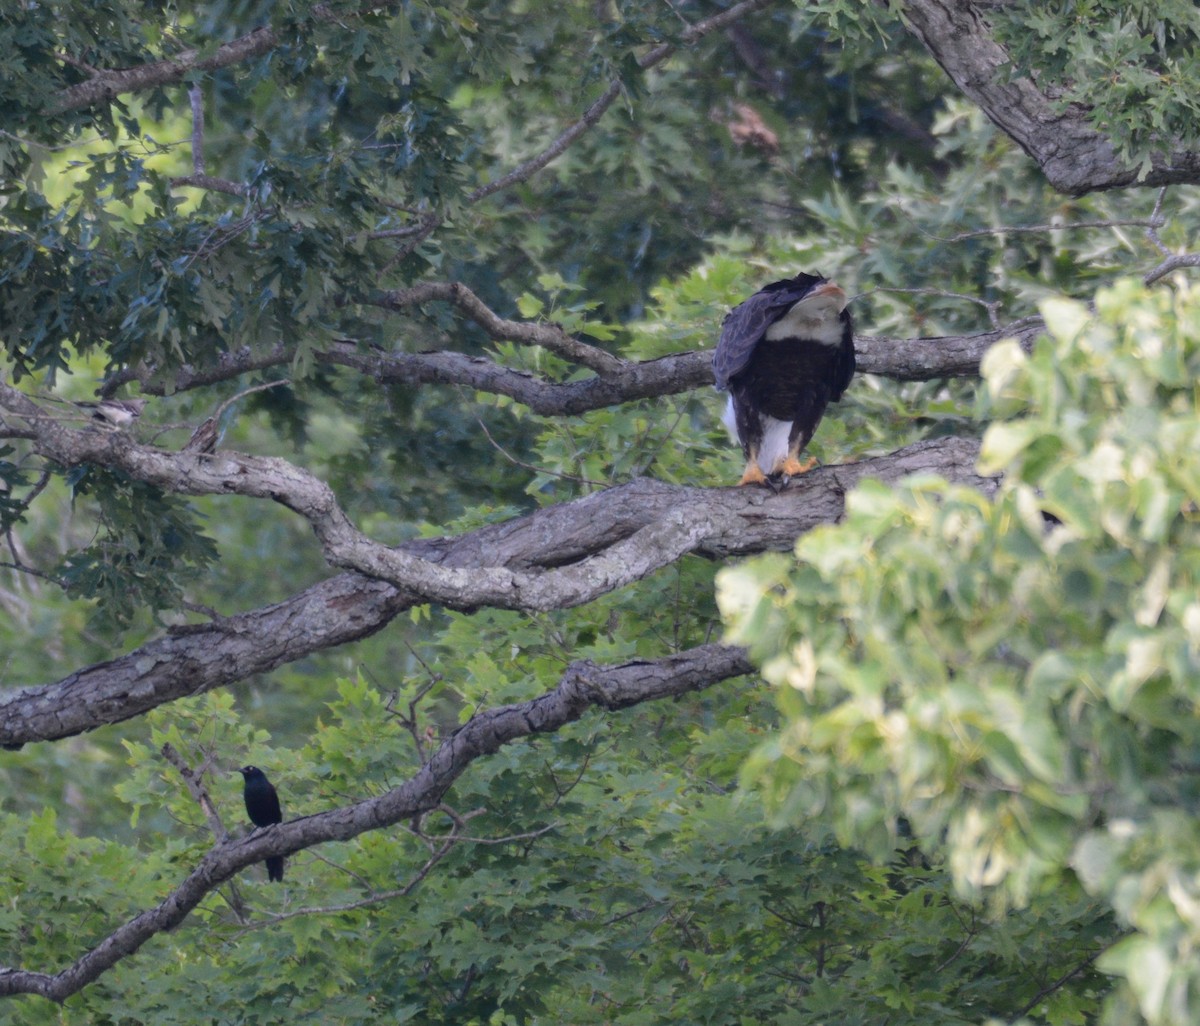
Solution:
(729, 419)
(773, 450)
(774, 444)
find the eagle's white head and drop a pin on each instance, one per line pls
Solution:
(815, 317)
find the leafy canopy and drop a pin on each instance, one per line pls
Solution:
(1015, 675)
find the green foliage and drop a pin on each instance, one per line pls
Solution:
(1017, 675)
(149, 547)
(1135, 66)
(1025, 705)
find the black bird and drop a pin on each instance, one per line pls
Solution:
(262, 806)
(784, 354)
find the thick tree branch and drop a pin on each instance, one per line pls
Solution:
(1074, 156)
(903, 359)
(562, 555)
(640, 551)
(583, 685)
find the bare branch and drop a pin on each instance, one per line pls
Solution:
(196, 98)
(556, 149)
(919, 359)
(554, 557)
(625, 560)
(1157, 221)
(1154, 221)
(203, 181)
(1065, 978)
(105, 85)
(1172, 263)
(195, 785)
(992, 308)
(549, 336)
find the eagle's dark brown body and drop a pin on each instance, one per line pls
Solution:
(784, 354)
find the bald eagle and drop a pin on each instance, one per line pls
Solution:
(784, 355)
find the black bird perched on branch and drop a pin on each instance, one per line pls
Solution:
(262, 806)
(785, 354)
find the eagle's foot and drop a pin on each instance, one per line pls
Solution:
(792, 467)
(777, 482)
(753, 475)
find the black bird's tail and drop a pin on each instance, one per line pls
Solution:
(275, 868)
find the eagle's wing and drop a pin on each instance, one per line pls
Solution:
(747, 322)
(843, 369)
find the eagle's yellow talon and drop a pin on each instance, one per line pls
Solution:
(792, 466)
(753, 475)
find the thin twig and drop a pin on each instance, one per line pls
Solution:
(196, 97)
(32, 572)
(1157, 222)
(1026, 229)
(203, 181)
(546, 334)
(533, 468)
(1173, 261)
(195, 785)
(992, 308)
(194, 781)
(1050, 988)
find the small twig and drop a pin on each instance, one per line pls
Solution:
(1019, 229)
(662, 442)
(203, 181)
(507, 838)
(545, 334)
(199, 607)
(1157, 221)
(204, 439)
(791, 919)
(1172, 261)
(371, 899)
(992, 308)
(76, 62)
(196, 97)
(409, 722)
(74, 144)
(530, 466)
(194, 781)
(249, 391)
(1050, 988)
(195, 785)
(362, 880)
(966, 943)
(561, 792)
(613, 920)
(32, 572)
